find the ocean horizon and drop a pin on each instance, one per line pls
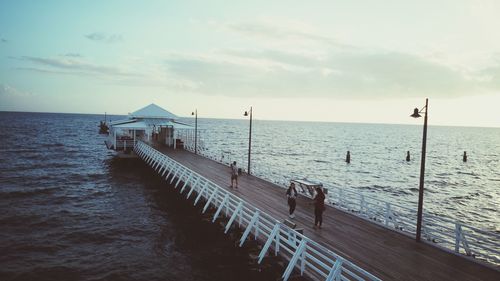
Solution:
(191, 119)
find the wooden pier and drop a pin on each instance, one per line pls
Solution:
(386, 254)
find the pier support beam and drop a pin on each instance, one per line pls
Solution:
(214, 193)
(335, 273)
(233, 217)
(221, 206)
(201, 193)
(253, 223)
(193, 187)
(274, 236)
(299, 253)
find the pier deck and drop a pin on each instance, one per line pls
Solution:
(387, 254)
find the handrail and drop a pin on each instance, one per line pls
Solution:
(127, 143)
(305, 255)
(440, 231)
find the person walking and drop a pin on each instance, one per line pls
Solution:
(234, 174)
(319, 207)
(291, 194)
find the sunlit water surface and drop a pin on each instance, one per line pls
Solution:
(465, 191)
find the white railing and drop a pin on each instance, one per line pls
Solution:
(448, 234)
(439, 231)
(306, 256)
(124, 144)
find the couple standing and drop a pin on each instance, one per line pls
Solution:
(319, 204)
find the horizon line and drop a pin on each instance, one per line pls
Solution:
(278, 120)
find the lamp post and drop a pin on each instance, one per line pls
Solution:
(249, 138)
(195, 113)
(416, 114)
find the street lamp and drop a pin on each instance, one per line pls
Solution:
(195, 113)
(416, 114)
(249, 138)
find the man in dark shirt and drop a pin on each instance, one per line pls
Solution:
(234, 174)
(319, 207)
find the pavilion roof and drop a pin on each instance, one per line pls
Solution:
(152, 111)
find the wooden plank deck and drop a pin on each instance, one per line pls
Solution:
(387, 254)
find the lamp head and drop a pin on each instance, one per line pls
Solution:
(192, 113)
(416, 113)
(246, 113)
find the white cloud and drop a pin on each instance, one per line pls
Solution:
(12, 98)
(292, 59)
(7, 91)
(73, 55)
(104, 37)
(344, 74)
(281, 34)
(74, 65)
(287, 59)
(326, 68)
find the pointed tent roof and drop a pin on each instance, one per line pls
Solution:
(152, 111)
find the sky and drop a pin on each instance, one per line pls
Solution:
(337, 61)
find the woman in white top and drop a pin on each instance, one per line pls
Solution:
(291, 193)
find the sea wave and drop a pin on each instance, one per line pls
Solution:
(26, 192)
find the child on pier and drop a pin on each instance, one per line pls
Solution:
(291, 193)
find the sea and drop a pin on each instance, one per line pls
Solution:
(468, 192)
(71, 210)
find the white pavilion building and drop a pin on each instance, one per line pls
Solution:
(151, 123)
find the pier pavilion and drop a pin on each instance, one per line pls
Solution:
(149, 123)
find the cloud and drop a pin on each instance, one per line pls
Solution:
(73, 55)
(130, 73)
(269, 31)
(3, 40)
(343, 74)
(53, 71)
(16, 99)
(294, 60)
(323, 68)
(491, 73)
(104, 37)
(282, 33)
(277, 57)
(7, 91)
(141, 76)
(74, 66)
